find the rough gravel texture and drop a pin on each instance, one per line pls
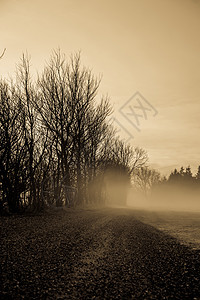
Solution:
(91, 254)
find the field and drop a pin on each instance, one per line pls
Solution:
(185, 226)
(100, 254)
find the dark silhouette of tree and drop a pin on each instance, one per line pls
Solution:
(188, 173)
(13, 150)
(181, 171)
(67, 108)
(35, 136)
(198, 174)
(55, 140)
(56, 107)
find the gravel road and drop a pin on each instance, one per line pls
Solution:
(93, 254)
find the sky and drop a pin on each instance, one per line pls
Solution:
(147, 52)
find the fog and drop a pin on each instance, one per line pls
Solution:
(176, 199)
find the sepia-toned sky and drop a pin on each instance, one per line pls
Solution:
(149, 46)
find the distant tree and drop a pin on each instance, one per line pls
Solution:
(118, 162)
(181, 172)
(145, 178)
(117, 152)
(198, 174)
(188, 172)
(175, 176)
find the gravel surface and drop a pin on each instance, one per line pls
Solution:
(91, 254)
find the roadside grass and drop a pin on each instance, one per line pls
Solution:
(185, 226)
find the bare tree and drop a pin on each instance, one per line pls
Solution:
(96, 130)
(54, 136)
(13, 151)
(67, 107)
(118, 161)
(58, 98)
(117, 152)
(35, 136)
(145, 178)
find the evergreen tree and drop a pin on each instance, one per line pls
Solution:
(181, 171)
(198, 174)
(188, 172)
(174, 176)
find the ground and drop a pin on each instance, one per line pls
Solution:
(98, 254)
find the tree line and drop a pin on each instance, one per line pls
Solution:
(151, 183)
(56, 143)
(185, 176)
(180, 185)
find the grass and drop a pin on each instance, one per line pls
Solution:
(184, 226)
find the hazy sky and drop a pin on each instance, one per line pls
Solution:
(150, 46)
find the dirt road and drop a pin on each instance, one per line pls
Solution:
(90, 254)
